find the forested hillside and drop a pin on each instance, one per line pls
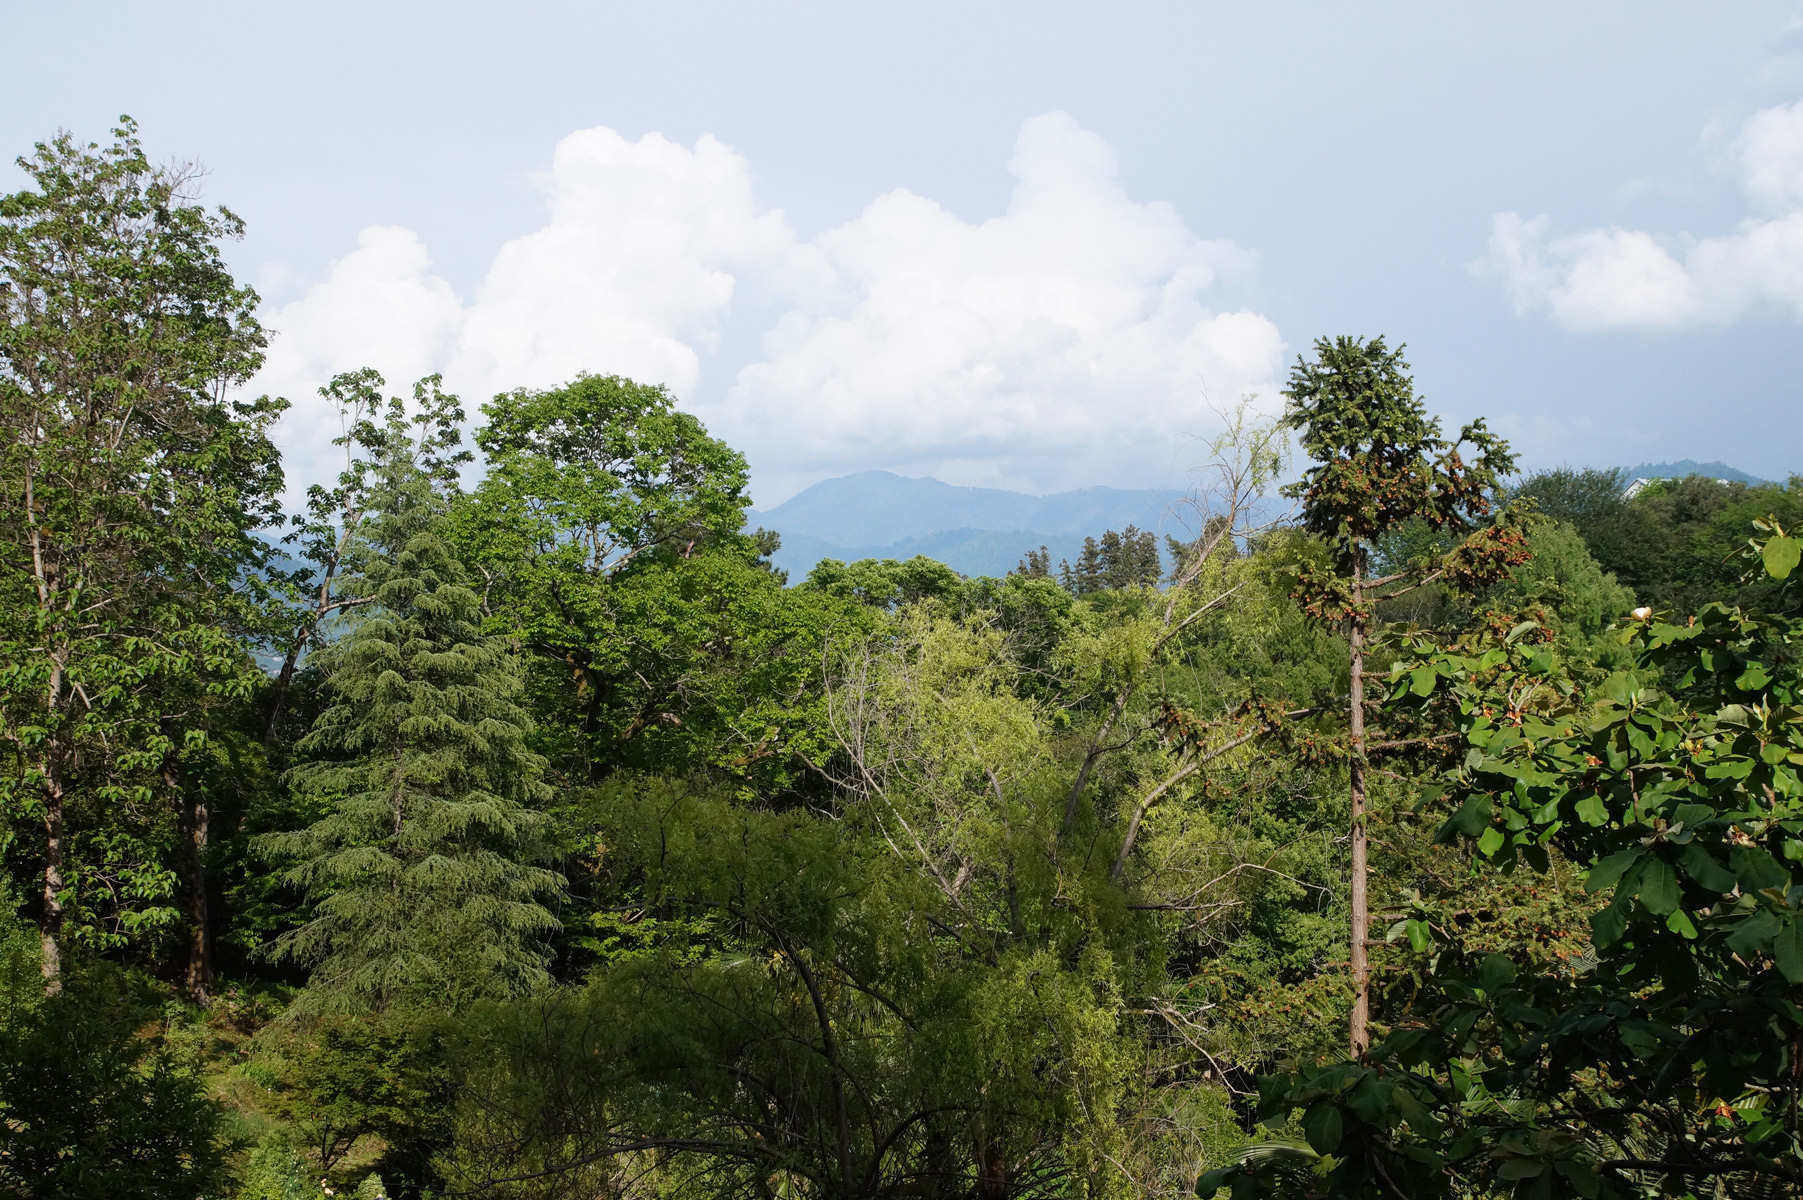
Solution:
(539, 838)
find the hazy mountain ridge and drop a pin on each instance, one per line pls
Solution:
(986, 531)
(1686, 467)
(977, 531)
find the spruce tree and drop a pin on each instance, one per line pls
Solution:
(1379, 462)
(421, 867)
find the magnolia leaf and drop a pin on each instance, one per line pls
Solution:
(1736, 714)
(1787, 949)
(1215, 1180)
(1473, 815)
(1754, 934)
(1370, 1100)
(1781, 556)
(1755, 678)
(1322, 1127)
(1491, 841)
(1421, 681)
(1607, 926)
(1659, 887)
(1496, 971)
(1690, 814)
(1608, 873)
(1583, 1180)
(1621, 687)
(1756, 869)
(1702, 867)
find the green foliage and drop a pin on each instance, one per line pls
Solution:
(273, 1170)
(1119, 560)
(892, 883)
(1674, 544)
(326, 536)
(131, 489)
(1560, 585)
(1567, 590)
(587, 485)
(607, 536)
(89, 1106)
(1584, 499)
(420, 866)
(813, 1010)
(886, 583)
(1666, 1056)
(714, 666)
(586, 478)
(1379, 459)
(363, 1094)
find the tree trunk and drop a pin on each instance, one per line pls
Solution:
(1361, 904)
(323, 604)
(191, 827)
(50, 923)
(993, 1177)
(200, 935)
(284, 680)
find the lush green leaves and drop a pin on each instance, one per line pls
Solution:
(420, 865)
(130, 490)
(1670, 1052)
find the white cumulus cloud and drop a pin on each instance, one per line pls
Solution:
(1059, 343)
(635, 272)
(379, 304)
(1073, 328)
(1619, 278)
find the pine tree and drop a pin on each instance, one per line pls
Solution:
(1129, 558)
(1037, 565)
(421, 870)
(1086, 576)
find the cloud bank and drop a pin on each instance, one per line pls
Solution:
(1618, 278)
(1069, 340)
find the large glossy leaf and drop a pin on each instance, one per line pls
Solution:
(1781, 555)
(1322, 1127)
(1608, 873)
(1659, 887)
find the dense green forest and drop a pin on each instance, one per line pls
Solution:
(522, 832)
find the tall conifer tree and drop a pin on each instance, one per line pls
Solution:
(1379, 460)
(422, 867)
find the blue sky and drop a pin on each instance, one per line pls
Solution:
(1006, 244)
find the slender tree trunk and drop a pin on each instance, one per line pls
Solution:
(994, 1180)
(50, 923)
(200, 940)
(323, 604)
(191, 824)
(284, 680)
(45, 575)
(1361, 904)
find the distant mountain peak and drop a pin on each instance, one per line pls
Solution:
(976, 530)
(1685, 467)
